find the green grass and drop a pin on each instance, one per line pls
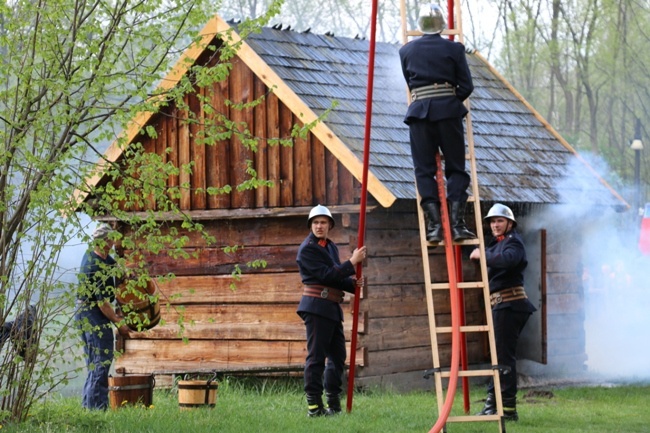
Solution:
(279, 406)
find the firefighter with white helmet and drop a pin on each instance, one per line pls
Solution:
(506, 259)
(502, 211)
(431, 19)
(325, 280)
(439, 79)
(320, 210)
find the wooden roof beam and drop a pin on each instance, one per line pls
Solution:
(229, 214)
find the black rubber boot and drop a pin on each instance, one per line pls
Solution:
(315, 406)
(434, 225)
(510, 409)
(459, 229)
(333, 404)
(490, 407)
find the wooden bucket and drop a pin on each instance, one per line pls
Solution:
(137, 301)
(130, 389)
(197, 393)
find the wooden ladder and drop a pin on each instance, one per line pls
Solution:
(457, 288)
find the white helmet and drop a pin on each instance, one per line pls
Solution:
(319, 210)
(501, 210)
(431, 19)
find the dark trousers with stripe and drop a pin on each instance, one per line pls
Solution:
(508, 325)
(325, 355)
(427, 138)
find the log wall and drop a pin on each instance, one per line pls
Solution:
(215, 322)
(303, 174)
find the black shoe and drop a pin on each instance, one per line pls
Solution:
(313, 412)
(333, 404)
(315, 406)
(510, 409)
(490, 407)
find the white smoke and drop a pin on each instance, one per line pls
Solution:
(616, 283)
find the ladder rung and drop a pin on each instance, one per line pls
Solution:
(474, 418)
(470, 373)
(463, 285)
(444, 32)
(464, 242)
(468, 328)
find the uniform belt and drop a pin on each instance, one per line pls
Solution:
(323, 292)
(508, 295)
(433, 91)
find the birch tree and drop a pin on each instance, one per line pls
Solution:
(583, 65)
(73, 75)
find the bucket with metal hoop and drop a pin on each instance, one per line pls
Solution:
(130, 389)
(197, 393)
(139, 303)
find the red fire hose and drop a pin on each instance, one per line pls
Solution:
(455, 304)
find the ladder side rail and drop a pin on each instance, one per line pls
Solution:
(424, 246)
(479, 231)
(433, 334)
(483, 264)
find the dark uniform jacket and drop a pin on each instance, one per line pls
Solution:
(320, 265)
(96, 285)
(432, 59)
(506, 261)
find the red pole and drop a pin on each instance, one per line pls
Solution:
(463, 339)
(450, 14)
(362, 212)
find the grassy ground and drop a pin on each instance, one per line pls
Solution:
(270, 406)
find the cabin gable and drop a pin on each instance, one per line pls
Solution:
(304, 173)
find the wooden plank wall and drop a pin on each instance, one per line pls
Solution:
(397, 338)
(304, 174)
(565, 302)
(253, 325)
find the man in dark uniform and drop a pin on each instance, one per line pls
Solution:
(20, 331)
(439, 79)
(95, 316)
(506, 259)
(325, 280)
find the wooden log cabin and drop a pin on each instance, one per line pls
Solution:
(522, 162)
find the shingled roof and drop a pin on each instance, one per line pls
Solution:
(520, 158)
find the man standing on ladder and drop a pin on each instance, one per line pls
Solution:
(439, 80)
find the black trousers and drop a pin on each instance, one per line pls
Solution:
(325, 341)
(5, 332)
(446, 136)
(508, 325)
